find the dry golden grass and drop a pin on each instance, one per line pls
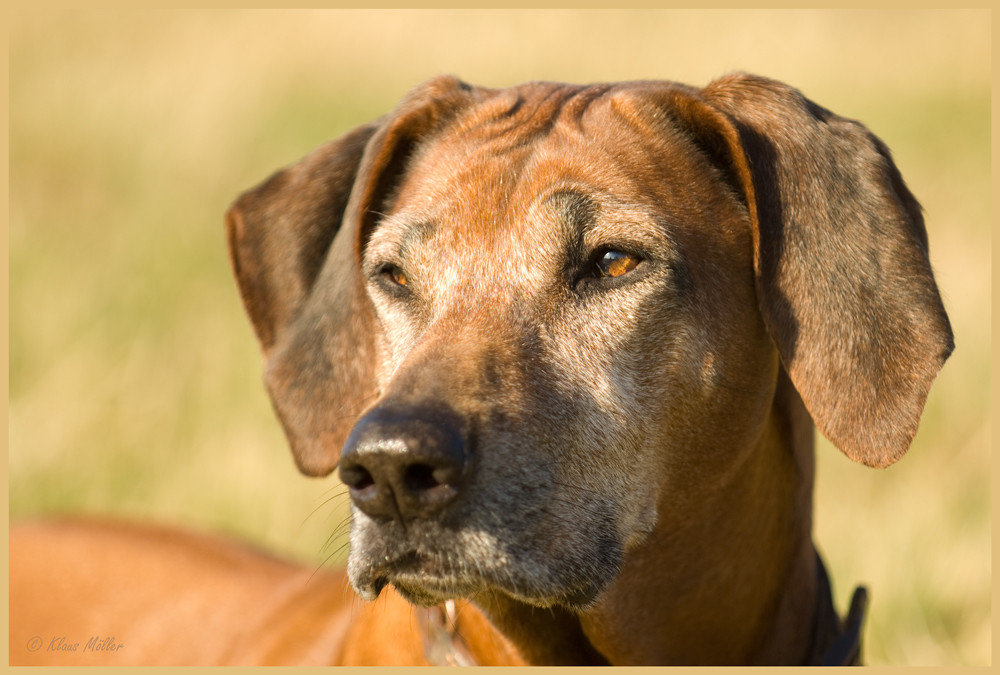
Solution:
(134, 377)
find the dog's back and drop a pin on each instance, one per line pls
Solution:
(104, 593)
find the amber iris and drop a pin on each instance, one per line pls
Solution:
(396, 275)
(615, 264)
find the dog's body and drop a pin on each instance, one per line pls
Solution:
(572, 341)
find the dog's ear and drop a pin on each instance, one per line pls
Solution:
(282, 235)
(280, 232)
(843, 278)
(295, 244)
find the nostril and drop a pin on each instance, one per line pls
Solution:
(427, 482)
(420, 478)
(356, 477)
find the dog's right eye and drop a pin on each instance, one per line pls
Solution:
(614, 264)
(609, 268)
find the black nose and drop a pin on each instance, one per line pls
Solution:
(404, 462)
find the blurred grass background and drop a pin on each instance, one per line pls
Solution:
(135, 378)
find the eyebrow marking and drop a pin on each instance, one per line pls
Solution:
(577, 212)
(574, 207)
(415, 235)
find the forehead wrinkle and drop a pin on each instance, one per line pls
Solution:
(526, 116)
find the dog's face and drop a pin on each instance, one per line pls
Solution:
(543, 322)
(572, 314)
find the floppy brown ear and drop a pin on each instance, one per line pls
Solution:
(295, 245)
(280, 232)
(843, 277)
(281, 236)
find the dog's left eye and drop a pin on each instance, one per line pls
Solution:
(614, 264)
(395, 274)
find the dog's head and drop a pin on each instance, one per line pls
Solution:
(528, 321)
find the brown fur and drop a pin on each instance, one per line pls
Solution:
(627, 462)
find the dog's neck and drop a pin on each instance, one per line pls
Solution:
(731, 580)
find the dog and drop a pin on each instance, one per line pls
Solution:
(566, 347)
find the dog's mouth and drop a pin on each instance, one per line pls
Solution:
(429, 567)
(423, 588)
(420, 579)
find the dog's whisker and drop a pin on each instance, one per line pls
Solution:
(321, 505)
(341, 531)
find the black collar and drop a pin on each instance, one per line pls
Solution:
(836, 642)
